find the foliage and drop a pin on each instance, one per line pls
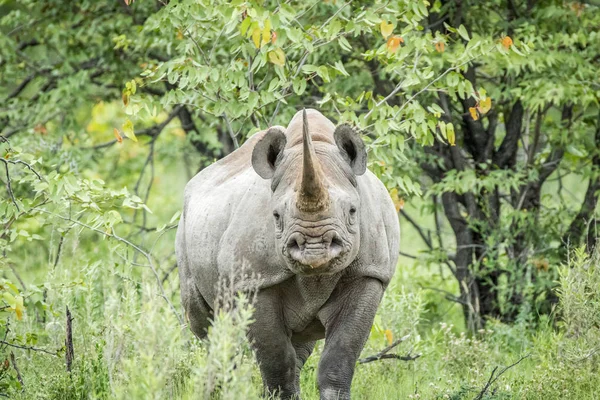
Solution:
(481, 118)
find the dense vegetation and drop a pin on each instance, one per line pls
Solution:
(482, 119)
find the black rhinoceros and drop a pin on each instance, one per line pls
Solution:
(317, 229)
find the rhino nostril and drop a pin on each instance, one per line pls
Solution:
(336, 245)
(295, 245)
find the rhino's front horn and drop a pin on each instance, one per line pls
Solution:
(313, 195)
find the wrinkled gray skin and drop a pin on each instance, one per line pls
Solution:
(299, 208)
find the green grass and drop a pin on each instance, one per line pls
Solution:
(129, 344)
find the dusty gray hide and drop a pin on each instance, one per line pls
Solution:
(297, 207)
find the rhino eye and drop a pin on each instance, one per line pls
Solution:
(352, 215)
(278, 221)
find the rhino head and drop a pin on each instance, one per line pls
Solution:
(315, 202)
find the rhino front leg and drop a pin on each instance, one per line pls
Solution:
(272, 345)
(347, 318)
(303, 351)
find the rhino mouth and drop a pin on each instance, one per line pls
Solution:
(315, 254)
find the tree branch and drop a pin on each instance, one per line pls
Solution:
(418, 228)
(506, 154)
(383, 353)
(493, 379)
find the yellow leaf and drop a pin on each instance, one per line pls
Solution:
(266, 33)
(485, 105)
(118, 135)
(386, 29)
(19, 308)
(507, 42)
(128, 130)
(389, 336)
(473, 112)
(398, 201)
(277, 57)
(256, 37)
(450, 134)
(393, 43)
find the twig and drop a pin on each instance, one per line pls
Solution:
(448, 295)
(493, 379)
(69, 353)
(407, 255)
(14, 364)
(152, 131)
(383, 353)
(408, 357)
(113, 235)
(166, 275)
(230, 130)
(14, 270)
(59, 250)
(418, 228)
(15, 162)
(32, 348)
(334, 15)
(9, 186)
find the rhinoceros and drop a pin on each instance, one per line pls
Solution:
(318, 230)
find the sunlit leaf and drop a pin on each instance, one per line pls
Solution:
(473, 112)
(484, 105)
(19, 308)
(266, 33)
(450, 135)
(128, 130)
(256, 37)
(277, 57)
(386, 28)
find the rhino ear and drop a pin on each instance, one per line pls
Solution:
(267, 152)
(352, 148)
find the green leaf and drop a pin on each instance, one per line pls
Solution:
(128, 130)
(462, 31)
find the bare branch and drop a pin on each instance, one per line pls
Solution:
(13, 361)
(418, 228)
(383, 353)
(493, 379)
(69, 353)
(32, 348)
(137, 248)
(9, 186)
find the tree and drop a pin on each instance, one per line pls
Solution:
(511, 231)
(479, 108)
